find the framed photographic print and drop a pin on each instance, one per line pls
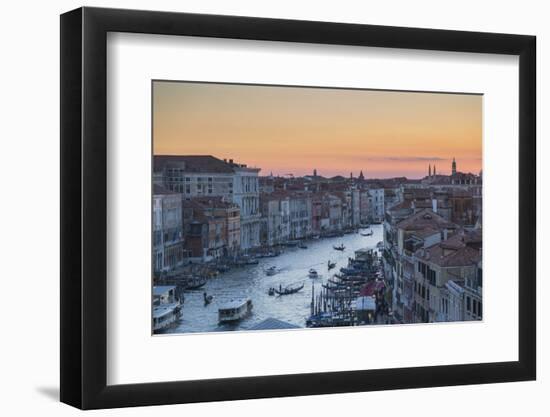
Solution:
(257, 207)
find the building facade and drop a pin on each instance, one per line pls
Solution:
(168, 238)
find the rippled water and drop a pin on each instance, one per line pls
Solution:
(252, 282)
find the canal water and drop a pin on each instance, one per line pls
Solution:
(252, 282)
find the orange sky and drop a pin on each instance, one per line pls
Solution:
(337, 131)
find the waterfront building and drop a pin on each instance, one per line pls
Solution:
(300, 215)
(418, 230)
(206, 230)
(275, 218)
(454, 259)
(355, 207)
(364, 205)
(246, 194)
(204, 175)
(375, 205)
(167, 230)
(222, 233)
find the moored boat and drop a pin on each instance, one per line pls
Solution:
(340, 247)
(166, 307)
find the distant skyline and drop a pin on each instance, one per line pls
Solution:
(294, 130)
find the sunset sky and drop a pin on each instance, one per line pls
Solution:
(287, 130)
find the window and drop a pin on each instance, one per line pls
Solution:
(480, 277)
(468, 306)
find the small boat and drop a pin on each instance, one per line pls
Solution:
(341, 247)
(315, 237)
(271, 291)
(234, 310)
(302, 246)
(207, 298)
(367, 234)
(331, 265)
(272, 270)
(194, 283)
(380, 245)
(313, 273)
(288, 290)
(268, 255)
(223, 268)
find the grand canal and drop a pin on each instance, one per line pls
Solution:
(252, 282)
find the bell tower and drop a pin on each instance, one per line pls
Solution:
(453, 166)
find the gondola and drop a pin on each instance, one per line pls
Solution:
(288, 290)
(207, 298)
(341, 248)
(194, 283)
(367, 234)
(331, 265)
(272, 270)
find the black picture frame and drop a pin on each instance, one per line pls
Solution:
(84, 207)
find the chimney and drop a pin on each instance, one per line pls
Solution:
(231, 161)
(434, 205)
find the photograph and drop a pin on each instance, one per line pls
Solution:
(292, 207)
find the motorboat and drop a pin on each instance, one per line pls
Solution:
(272, 270)
(235, 310)
(166, 307)
(340, 247)
(313, 273)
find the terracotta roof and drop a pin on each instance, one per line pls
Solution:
(425, 219)
(407, 204)
(193, 163)
(450, 253)
(425, 232)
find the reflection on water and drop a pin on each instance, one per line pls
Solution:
(252, 282)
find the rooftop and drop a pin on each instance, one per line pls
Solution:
(451, 252)
(196, 163)
(425, 219)
(273, 324)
